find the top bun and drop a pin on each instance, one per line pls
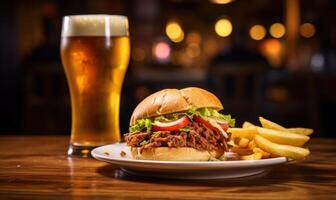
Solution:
(173, 100)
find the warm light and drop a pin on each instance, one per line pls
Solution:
(277, 30)
(221, 1)
(272, 50)
(210, 47)
(193, 38)
(223, 27)
(257, 32)
(277, 93)
(161, 51)
(272, 47)
(193, 50)
(174, 32)
(307, 30)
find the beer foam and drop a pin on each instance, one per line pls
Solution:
(95, 25)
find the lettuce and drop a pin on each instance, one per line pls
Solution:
(185, 129)
(169, 117)
(210, 112)
(146, 124)
(162, 119)
(228, 118)
(141, 125)
(144, 142)
(156, 134)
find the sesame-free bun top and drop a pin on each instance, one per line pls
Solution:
(95, 25)
(173, 100)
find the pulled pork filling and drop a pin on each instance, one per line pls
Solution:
(197, 136)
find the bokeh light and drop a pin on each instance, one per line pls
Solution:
(277, 30)
(193, 50)
(272, 50)
(210, 46)
(193, 38)
(221, 1)
(161, 51)
(257, 32)
(317, 62)
(307, 30)
(223, 27)
(174, 32)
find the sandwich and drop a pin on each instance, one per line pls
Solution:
(179, 125)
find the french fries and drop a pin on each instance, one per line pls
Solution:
(243, 142)
(301, 131)
(263, 153)
(281, 149)
(283, 137)
(231, 143)
(254, 156)
(248, 124)
(241, 151)
(248, 133)
(253, 142)
(271, 125)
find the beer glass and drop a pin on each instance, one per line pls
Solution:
(95, 52)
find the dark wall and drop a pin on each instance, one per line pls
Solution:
(9, 70)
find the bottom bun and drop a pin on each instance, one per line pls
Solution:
(174, 154)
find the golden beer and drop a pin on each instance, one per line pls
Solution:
(95, 52)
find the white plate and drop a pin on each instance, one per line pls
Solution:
(183, 170)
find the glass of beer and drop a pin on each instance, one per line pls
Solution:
(95, 51)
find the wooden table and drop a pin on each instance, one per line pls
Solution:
(36, 167)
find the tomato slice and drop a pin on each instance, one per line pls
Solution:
(213, 124)
(171, 126)
(200, 119)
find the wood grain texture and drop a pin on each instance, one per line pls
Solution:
(34, 167)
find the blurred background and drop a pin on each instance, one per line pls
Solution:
(262, 58)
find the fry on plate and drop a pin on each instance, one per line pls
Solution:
(254, 156)
(263, 153)
(247, 124)
(281, 149)
(251, 145)
(248, 133)
(301, 131)
(253, 142)
(243, 142)
(231, 143)
(242, 151)
(283, 137)
(271, 125)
